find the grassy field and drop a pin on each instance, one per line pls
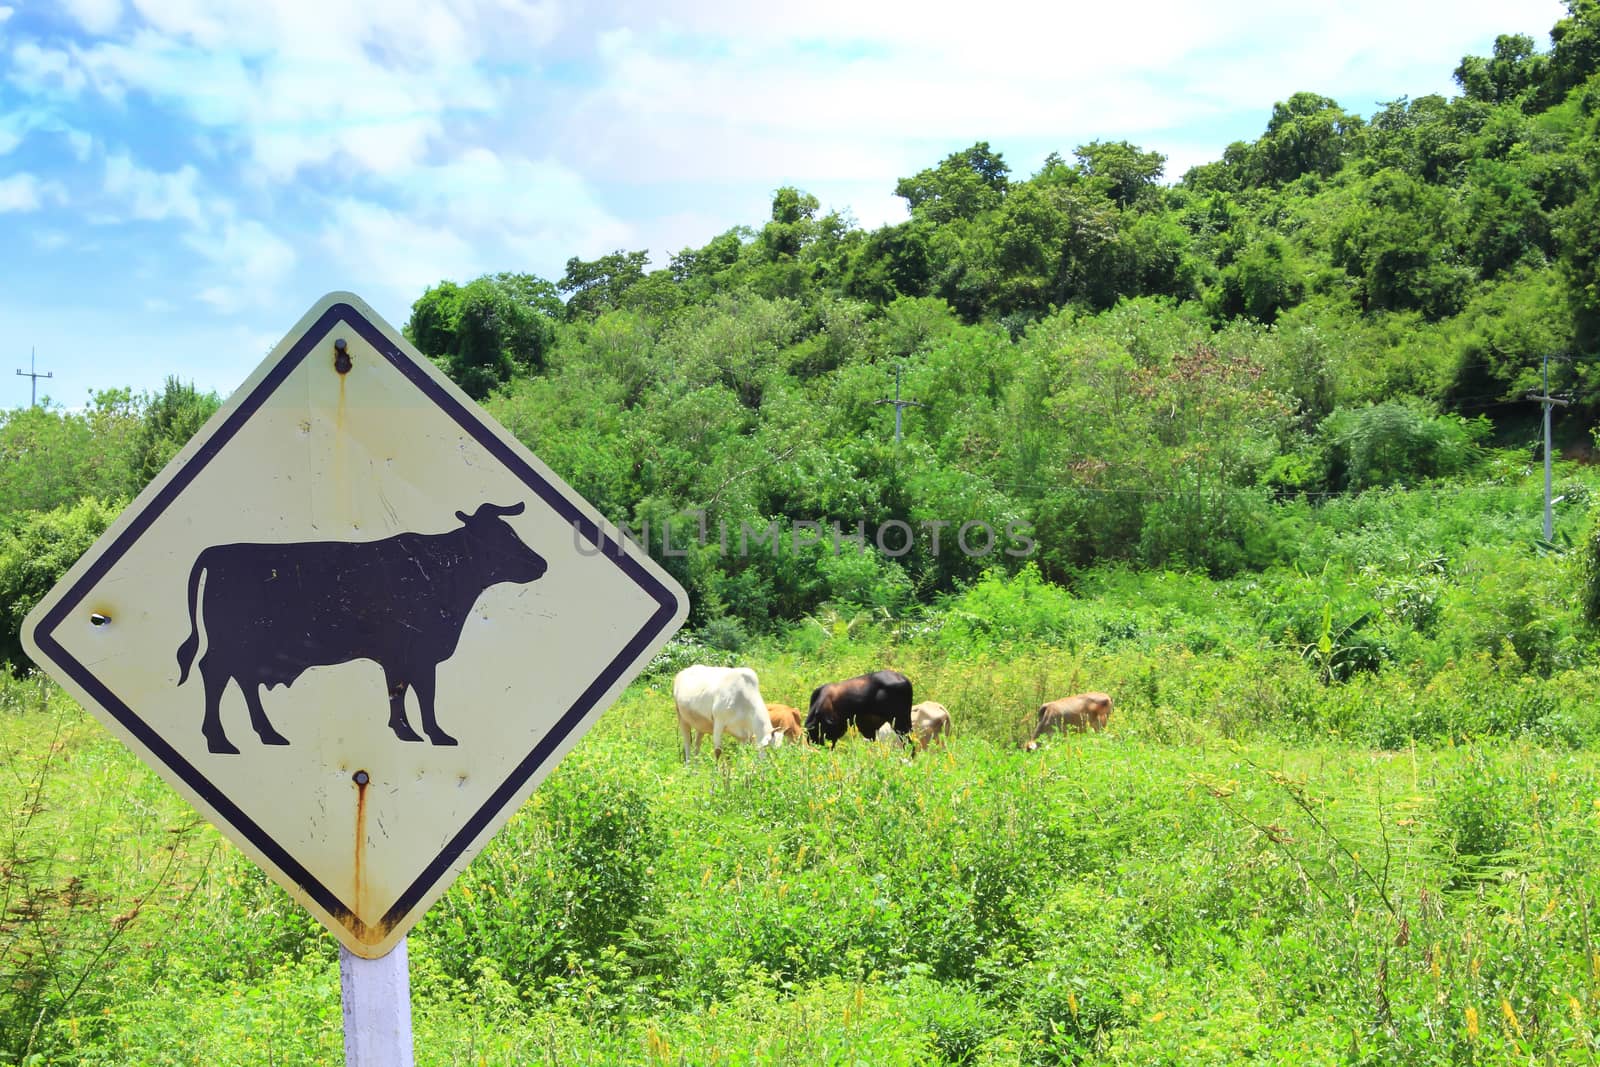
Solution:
(1345, 812)
(1151, 895)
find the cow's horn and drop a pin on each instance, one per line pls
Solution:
(490, 510)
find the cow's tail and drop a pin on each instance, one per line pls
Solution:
(191, 644)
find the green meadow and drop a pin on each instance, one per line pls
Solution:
(1298, 841)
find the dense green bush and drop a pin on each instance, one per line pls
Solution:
(559, 885)
(1393, 441)
(33, 557)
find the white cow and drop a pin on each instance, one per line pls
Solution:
(887, 736)
(721, 700)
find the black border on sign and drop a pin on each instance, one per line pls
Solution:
(464, 417)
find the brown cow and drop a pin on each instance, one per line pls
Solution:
(930, 721)
(1075, 712)
(787, 721)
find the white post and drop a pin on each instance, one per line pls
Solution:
(1549, 528)
(377, 1009)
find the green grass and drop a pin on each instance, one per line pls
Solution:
(1114, 898)
(1345, 812)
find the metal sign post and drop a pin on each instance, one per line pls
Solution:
(377, 1009)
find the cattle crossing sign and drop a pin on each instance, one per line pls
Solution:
(355, 622)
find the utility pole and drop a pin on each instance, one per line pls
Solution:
(899, 405)
(1547, 400)
(33, 398)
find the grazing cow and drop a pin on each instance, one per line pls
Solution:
(930, 721)
(271, 612)
(867, 702)
(1075, 712)
(721, 700)
(787, 721)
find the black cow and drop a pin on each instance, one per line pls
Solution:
(868, 701)
(273, 611)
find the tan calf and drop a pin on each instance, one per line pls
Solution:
(1078, 713)
(788, 722)
(930, 721)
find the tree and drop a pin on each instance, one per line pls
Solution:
(170, 419)
(1308, 134)
(1514, 69)
(51, 458)
(702, 266)
(1120, 170)
(538, 295)
(793, 223)
(598, 285)
(962, 186)
(1575, 50)
(487, 330)
(1264, 279)
(1399, 240)
(1429, 137)
(34, 554)
(892, 262)
(1503, 220)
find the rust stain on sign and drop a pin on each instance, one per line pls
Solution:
(362, 780)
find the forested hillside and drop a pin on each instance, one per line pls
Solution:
(1108, 367)
(1167, 374)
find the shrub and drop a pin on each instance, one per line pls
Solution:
(1383, 444)
(33, 557)
(1474, 815)
(999, 610)
(562, 881)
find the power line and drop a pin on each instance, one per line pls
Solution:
(1547, 401)
(898, 403)
(33, 399)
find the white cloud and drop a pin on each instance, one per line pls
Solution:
(536, 209)
(80, 142)
(254, 260)
(377, 245)
(479, 213)
(731, 91)
(153, 196)
(17, 123)
(6, 12)
(369, 85)
(36, 69)
(96, 16)
(27, 192)
(244, 261)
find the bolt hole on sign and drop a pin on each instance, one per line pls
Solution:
(355, 623)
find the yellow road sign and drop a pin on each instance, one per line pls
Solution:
(355, 623)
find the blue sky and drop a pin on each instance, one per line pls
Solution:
(181, 179)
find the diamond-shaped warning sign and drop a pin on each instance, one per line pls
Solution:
(355, 622)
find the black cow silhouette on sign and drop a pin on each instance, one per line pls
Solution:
(273, 611)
